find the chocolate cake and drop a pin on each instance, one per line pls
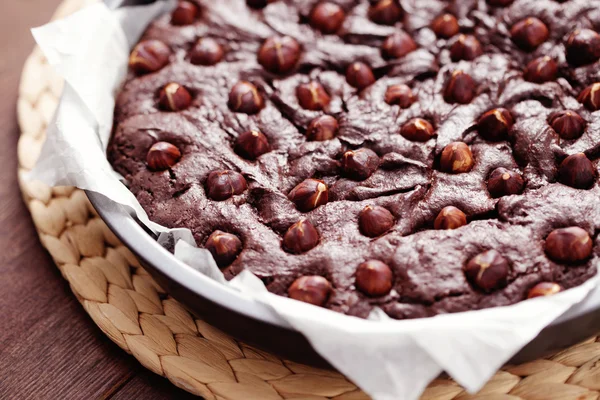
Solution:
(421, 156)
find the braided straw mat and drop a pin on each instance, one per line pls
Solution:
(143, 320)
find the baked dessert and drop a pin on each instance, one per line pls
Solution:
(420, 156)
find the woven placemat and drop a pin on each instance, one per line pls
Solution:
(134, 312)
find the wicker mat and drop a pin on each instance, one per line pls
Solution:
(143, 320)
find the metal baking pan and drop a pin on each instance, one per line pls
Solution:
(252, 322)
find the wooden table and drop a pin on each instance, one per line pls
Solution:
(49, 347)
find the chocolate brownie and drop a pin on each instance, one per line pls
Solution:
(421, 156)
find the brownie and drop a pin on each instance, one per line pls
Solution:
(421, 156)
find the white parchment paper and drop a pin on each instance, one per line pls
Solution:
(388, 359)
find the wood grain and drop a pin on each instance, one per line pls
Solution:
(49, 347)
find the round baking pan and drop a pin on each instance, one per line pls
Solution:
(252, 322)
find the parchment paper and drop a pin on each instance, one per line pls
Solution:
(388, 359)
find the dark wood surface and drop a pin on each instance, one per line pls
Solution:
(49, 347)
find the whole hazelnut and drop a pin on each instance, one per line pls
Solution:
(487, 271)
(569, 245)
(456, 158)
(312, 96)
(504, 182)
(445, 26)
(529, 33)
(398, 45)
(184, 14)
(540, 70)
(374, 221)
(466, 47)
(495, 125)
(174, 97)
(300, 237)
(279, 54)
(207, 51)
(327, 17)
(360, 164)
(577, 171)
(460, 88)
(385, 12)
(544, 289)
(450, 218)
(224, 247)
(568, 124)
(149, 56)
(322, 128)
(583, 47)
(374, 278)
(245, 98)
(309, 194)
(400, 95)
(359, 75)
(590, 97)
(417, 130)
(252, 144)
(162, 156)
(314, 290)
(223, 184)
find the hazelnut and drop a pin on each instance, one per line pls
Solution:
(450, 218)
(245, 98)
(309, 194)
(359, 75)
(540, 70)
(174, 97)
(577, 171)
(466, 47)
(359, 164)
(224, 247)
(223, 184)
(312, 96)
(162, 156)
(417, 130)
(252, 144)
(374, 221)
(529, 33)
(456, 158)
(487, 271)
(544, 289)
(445, 26)
(568, 124)
(398, 45)
(184, 14)
(322, 128)
(583, 47)
(504, 182)
(279, 54)
(385, 12)
(149, 56)
(300, 237)
(374, 278)
(327, 17)
(569, 245)
(314, 290)
(590, 97)
(206, 52)
(495, 125)
(460, 88)
(400, 95)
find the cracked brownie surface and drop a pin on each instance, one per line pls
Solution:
(217, 130)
